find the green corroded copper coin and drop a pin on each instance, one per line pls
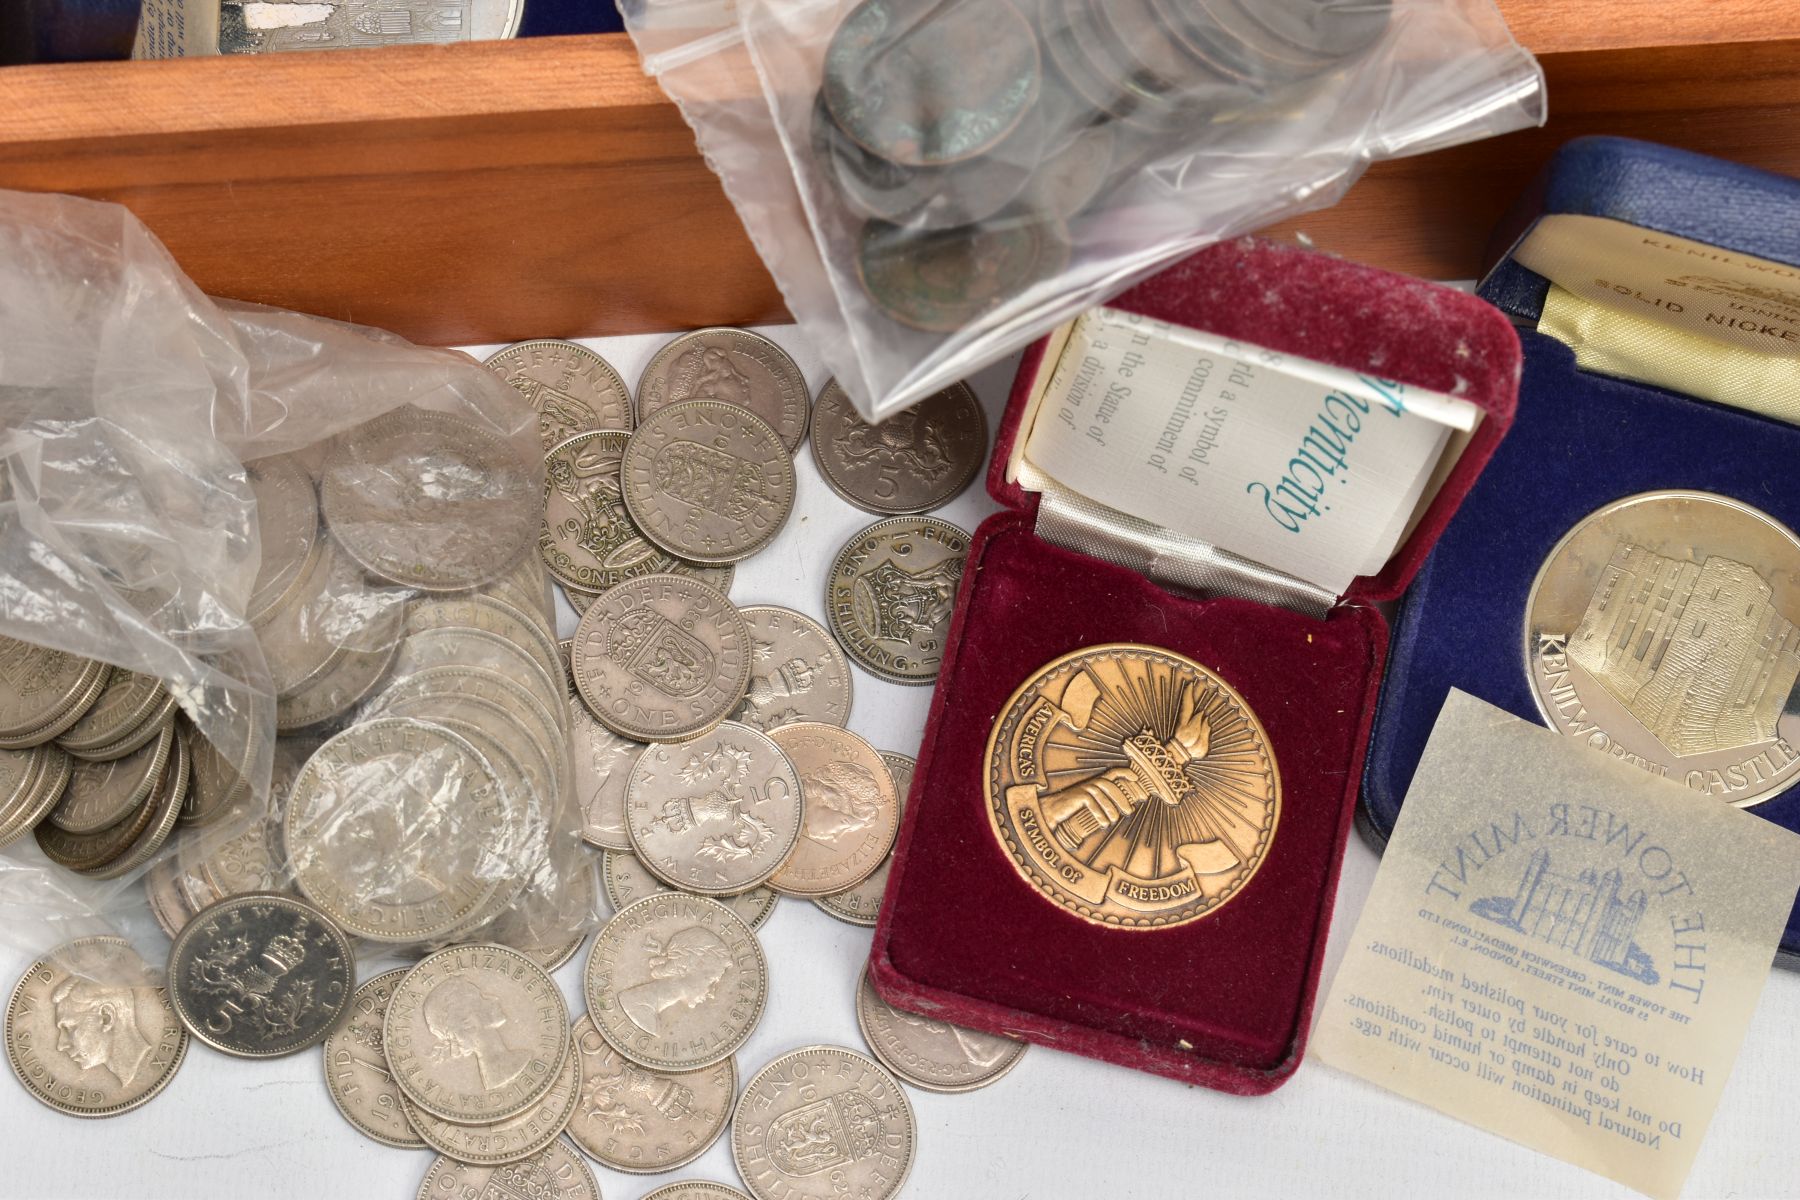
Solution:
(928, 84)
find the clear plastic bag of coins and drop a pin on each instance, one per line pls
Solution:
(440, 817)
(945, 199)
(222, 516)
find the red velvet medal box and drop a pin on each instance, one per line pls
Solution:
(1224, 1001)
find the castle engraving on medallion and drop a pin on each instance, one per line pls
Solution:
(1696, 653)
(1662, 632)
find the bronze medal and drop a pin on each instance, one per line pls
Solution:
(1132, 787)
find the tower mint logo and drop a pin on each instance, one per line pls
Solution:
(1582, 912)
(1569, 887)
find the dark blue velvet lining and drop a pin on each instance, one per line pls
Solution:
(1579, 441)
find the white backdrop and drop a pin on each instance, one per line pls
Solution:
(1057, 1126)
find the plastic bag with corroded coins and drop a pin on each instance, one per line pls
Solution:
(963, 175)
(271, 617)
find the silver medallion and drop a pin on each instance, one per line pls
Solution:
(1664, 631)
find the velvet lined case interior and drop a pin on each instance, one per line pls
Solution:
(1581, 441)
(1223, 1001)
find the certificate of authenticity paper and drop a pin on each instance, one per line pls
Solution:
(1560, 949)
(1308, 468)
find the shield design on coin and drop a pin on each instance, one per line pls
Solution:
(560, 415)
(720, 483)
(661, 653)
(824, 1134)
(893, 604)
(528, 1180)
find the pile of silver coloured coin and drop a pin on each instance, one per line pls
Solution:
(714, 773)
(972, 137)
(420, 715)
(98, 763)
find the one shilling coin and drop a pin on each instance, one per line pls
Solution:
(429, 500)
(661, 659)
(731, 366)
(557, 1173)
(852, 810)
(708, 481)
(822, 1122)
(129, 704)
(356, 1068)
(573, 389)
(164, 897)
(934, 1055)
(517, 1137)
(261, 976)
(31, 784)
(589, 541)
(90, 1032)
(100, 794)
(696, 1189)
(643, 1121)
(861, 905)
(912, 462)
(43, 692)
(797, 672)
(1664, 631)
(476, 1034)
(676, 982)
(717, 815)
(891, 594)
(627, 881)
(126, 845)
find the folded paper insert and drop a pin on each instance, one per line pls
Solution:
(1295, 475)
(1560, 948)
